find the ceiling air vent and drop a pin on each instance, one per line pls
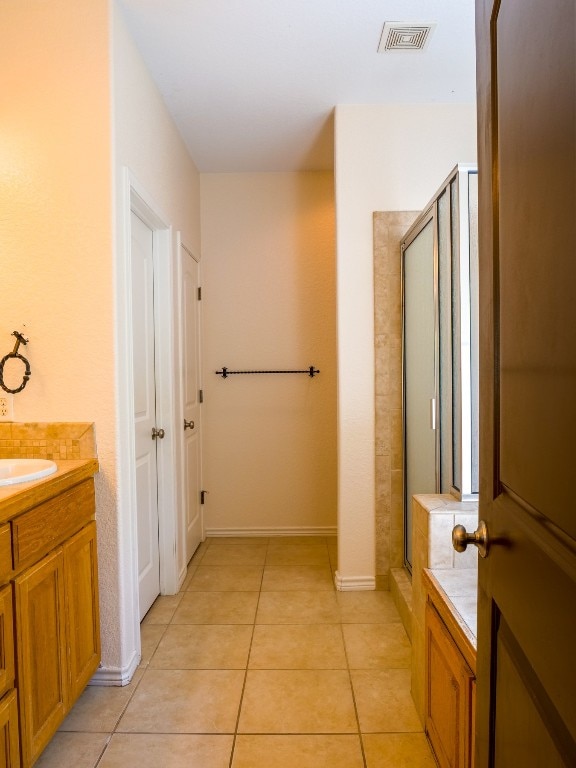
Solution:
(403, 36)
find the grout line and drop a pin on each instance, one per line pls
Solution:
(247, 662)
(364, 762)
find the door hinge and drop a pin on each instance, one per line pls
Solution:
(199, 293)
(201, 395)
(203, 496)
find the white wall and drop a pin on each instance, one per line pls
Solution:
(269, 303)
(387, 158)
(148, 152)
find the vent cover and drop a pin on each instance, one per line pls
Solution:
(403, 36)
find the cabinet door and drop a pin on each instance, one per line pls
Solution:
(9, 747)
(449, 695)
(6, 641)
(41, 652)
(82, 612)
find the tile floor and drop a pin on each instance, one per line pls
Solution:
(258, 661)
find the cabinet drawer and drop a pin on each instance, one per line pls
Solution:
(44, 527)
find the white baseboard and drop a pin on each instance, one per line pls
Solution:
(115, 675)
(328, 530)
(354, 583)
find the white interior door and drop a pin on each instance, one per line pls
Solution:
(142, 259)
(191, 396)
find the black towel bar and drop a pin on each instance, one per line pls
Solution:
(311, 371)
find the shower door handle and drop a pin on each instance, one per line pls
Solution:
(432, 413)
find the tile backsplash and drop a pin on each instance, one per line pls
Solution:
(47, 440)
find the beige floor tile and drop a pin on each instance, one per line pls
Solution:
(367, 607)
(400, 750)
(301, 646)
(313, 552)
(299, 607)
(73, 750)
(191, 571)
(302, 751)
(246, 542)
(223, 552)
(223, 578)
(203, 646)
(297, 577)
(299, 702)
(143, 750)
(162, 609)
(296, 541)
(384, 701)
(377, 646)
(100, 707)
(150, 636)
(184, 701)
(217, 608)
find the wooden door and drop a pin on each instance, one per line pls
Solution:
(43, 692)
(526, 712)
(142, 261)
(82, 610)
(191, 399)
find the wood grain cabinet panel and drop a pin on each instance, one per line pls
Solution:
(9, 743)
(42, 653)
(42, 528)
(82, 610)
(450, 684)
(6, 641)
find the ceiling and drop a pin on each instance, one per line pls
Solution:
(252, 84)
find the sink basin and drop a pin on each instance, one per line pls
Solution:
(14, 471)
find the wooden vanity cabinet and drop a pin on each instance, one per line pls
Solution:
(449, 696)
(9, 735)
(9, 741)
(54, 638)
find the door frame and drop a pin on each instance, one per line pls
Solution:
(136, 198)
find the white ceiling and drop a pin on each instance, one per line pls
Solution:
(252, 84)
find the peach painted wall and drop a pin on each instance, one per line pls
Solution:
(56, 226)
(269, 303)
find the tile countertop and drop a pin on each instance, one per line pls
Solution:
(457, 590)
(15, 499)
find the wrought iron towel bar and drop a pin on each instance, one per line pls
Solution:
(311, 371)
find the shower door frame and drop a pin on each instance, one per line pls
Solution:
(460, 240)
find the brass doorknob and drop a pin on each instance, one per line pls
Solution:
(157, 433)
(188, 424)
(461, 538)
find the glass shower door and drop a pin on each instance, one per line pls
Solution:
(420, 370)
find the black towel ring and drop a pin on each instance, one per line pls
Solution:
(20, 339)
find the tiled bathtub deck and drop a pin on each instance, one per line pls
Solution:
(258, 661)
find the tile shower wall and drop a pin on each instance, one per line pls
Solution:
(389, 229)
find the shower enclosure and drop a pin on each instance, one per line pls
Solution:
(440, 346)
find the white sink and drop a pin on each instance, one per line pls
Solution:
(14, 471)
